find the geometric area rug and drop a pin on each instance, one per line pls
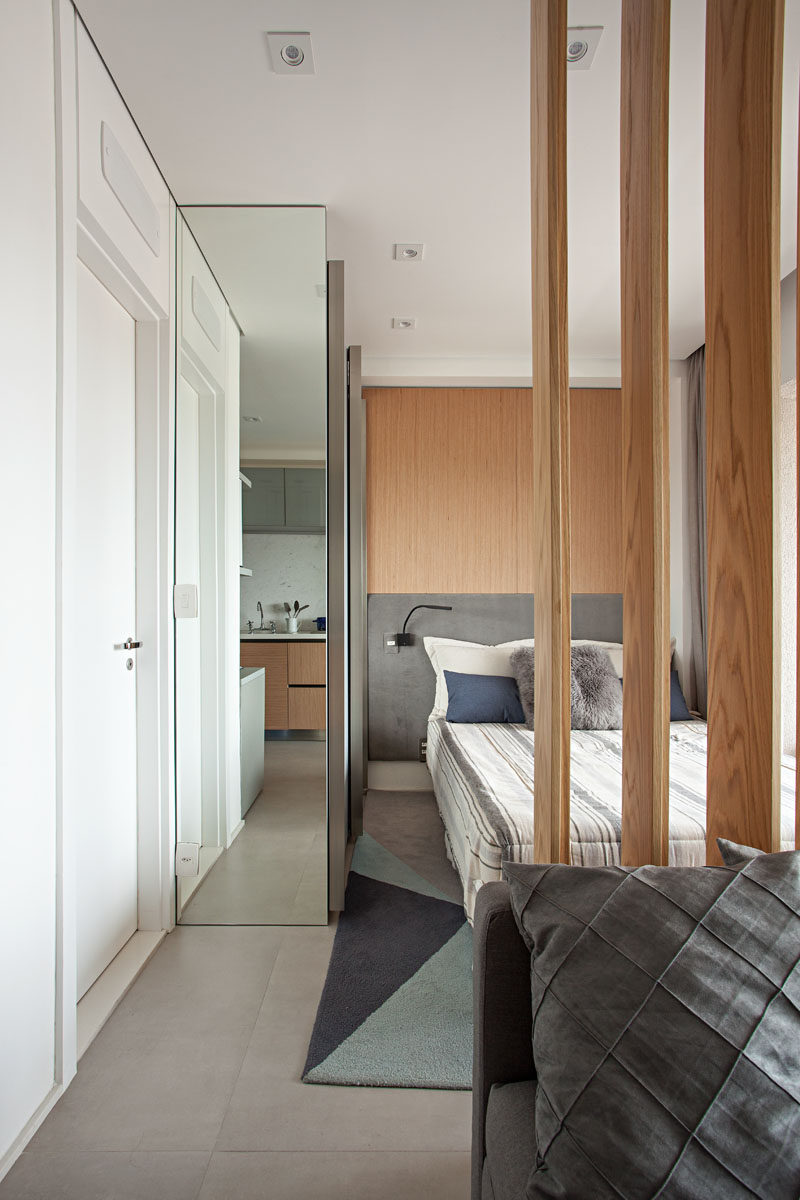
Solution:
(396, 1009)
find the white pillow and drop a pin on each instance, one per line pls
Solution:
(473, 658)
(468, 658)
(614, 650)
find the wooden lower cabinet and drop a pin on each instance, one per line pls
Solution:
(293, 696)
(307, 708)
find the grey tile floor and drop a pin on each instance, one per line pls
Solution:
(276, 872)
(192, 1089)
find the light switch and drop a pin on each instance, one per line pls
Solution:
(185, 600)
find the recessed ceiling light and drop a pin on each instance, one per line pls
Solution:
(253, 419)
(404, 322)
(291, 53)
(408, 251)
(582, 42)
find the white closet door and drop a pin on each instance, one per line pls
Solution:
(106, 697)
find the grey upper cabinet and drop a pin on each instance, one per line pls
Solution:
(305, 497)
(263, 505)
(284, 500)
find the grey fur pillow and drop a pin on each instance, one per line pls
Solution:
(521, 663)
(595, 689)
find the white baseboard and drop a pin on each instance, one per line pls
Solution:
(108, 989)
(237, 829)
(13, 1152)
(398, 777)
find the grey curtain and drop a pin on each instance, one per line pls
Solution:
(698, 554)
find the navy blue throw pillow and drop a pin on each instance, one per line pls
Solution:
(678, 708)
(474, 698)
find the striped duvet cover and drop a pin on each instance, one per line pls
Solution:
(483, 780)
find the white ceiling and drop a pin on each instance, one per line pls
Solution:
(271, 265)
(415, 128)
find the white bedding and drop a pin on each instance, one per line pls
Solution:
(483, 780)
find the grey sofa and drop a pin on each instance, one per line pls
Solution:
(503, 1141)
(665, 1057)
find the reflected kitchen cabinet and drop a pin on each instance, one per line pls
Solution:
(305, 498)
(263, 505)
(290, 500)
(295, 686)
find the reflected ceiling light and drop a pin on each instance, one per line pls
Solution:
(408, 251)
(404, 322)
(582, 42)
(291, 53)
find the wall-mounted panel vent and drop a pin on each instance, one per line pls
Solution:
(121, 177)
(203, 310)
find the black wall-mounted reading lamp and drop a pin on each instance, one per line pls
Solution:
(393, 641)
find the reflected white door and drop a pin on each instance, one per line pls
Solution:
(105, 759)
(188, 674)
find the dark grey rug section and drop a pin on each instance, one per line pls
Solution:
(396, 1009)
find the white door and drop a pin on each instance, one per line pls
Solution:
(106, 615)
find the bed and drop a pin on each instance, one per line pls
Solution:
(483, 781)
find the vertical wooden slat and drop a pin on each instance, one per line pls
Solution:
(645, 430)
(550, 428)
(744, 51)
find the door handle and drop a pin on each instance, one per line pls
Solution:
(128, 644)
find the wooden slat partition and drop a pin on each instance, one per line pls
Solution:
(550, 428)
(744, 44)
(645, 430)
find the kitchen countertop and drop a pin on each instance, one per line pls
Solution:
(263, 635)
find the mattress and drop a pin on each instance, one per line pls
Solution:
(483, 781)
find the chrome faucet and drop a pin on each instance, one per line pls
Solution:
(272, 628)
(261, 610)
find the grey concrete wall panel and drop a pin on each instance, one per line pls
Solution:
(401, 684)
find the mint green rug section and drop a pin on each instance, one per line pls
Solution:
(421, 1037)
(374, 860)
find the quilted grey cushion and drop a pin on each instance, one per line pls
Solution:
(666, 1029)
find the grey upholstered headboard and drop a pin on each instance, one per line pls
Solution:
(401, 684)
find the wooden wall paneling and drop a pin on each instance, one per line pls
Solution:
(744, 50)
(551, 539)
(415, 490)
(306, 662)
(447, 495)
(595, 472)
(272, 656)
(645, 430)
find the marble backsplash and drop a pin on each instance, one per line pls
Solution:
(285, 566)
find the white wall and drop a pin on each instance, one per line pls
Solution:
(680, 608)
(285, 566)
(789, 327)
(28, 598)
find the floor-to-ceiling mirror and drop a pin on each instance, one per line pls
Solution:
(265, 859)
